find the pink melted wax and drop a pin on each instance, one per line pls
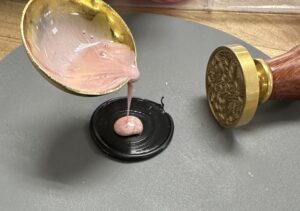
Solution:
(78, 54)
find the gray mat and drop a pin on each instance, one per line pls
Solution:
(48, 161)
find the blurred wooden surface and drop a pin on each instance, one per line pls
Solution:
(271, 33)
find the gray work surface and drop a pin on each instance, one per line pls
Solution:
(49, 162)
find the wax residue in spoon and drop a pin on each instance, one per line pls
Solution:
(81, 55)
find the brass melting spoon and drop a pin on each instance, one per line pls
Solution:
(236, 83)
(107, 20)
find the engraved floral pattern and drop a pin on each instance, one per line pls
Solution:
(225, 87)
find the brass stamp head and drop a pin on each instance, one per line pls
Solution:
(235, 86)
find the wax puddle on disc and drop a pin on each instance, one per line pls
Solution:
(82, 55)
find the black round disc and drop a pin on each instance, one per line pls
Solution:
(156, 136)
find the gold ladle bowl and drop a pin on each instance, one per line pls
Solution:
(104, 18)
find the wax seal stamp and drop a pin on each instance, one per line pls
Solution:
(236, 83)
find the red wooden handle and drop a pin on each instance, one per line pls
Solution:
(286, 75)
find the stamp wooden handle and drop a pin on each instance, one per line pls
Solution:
(286, 75)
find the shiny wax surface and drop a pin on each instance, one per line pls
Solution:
(75, 52)
(128, 126)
